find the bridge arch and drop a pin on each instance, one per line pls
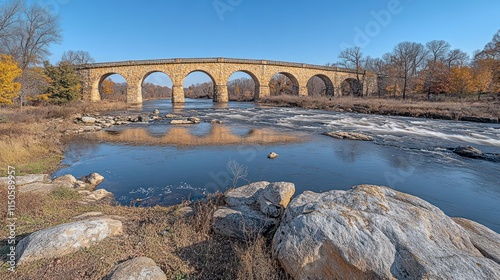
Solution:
(146, 91)
(352, 87)
(253, 77)
(105, 87)
(325, 84)
(212, 91)
(280, 84)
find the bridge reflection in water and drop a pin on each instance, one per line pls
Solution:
(218, 135)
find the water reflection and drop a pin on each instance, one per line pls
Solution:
(183, 136)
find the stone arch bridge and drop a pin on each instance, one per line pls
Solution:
(219, 70)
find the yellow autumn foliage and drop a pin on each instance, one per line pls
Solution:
(9, 72)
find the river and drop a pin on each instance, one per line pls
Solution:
(162, 164)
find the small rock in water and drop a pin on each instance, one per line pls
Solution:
(194, 120)
(468, 151)
(216, 122)
(272, 155)
(172, 116)
(156, 112)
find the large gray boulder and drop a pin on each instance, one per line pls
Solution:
(65, 239)
(372, 232)
(252, 209)
(140, 268)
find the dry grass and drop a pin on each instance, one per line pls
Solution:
(31, 140)
(184, 248)
(451, 110)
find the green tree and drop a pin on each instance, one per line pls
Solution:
(9, 72)
(65, 83)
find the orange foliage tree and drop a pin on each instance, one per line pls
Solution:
(108, 86)
(461, 80)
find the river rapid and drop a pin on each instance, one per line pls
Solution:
(178, 163)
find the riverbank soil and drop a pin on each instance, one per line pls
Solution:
(31, 140)
(183, 247)
(468, 109)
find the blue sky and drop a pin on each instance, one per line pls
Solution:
(296, 31)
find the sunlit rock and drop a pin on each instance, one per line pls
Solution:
(372, 232)
(272, 155)
(64, 239)
(349, 135)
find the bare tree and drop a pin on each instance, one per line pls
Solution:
(378, 66)
(77, 57)
(34, 32)
(9, 16)
(408, 57)
(238, 171)
(437, 50)
(456, 57)
(353, 58)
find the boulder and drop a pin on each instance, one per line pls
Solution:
(272, 155)
(241, 222)
(64, 239)
(93, 179)
(172, 116)
(88, 120)
(468, 151)
(140, 268)
(252, 209)
(216, 122)
(67, 181)
(245, 195)
(177, 122)
(156, 112)
(372, 232)
(348, 135)
(98, 195)
(27, 179)
(194, 120)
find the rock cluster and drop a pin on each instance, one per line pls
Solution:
(252, 209)
(372, 232)
(92, 123)
(41, 183)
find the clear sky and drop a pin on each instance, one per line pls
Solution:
(309, 31)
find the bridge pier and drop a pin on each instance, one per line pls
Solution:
(177, 94)
(264, 91)
(134, 95)
(221, 94)
(303, 91)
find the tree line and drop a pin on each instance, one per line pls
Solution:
(433, 68)
(27, 31)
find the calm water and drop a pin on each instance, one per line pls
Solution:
(408, 155)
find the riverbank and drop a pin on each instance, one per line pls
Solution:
(180, 242)
(246, 233)
(477, 111)
(32, 140)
